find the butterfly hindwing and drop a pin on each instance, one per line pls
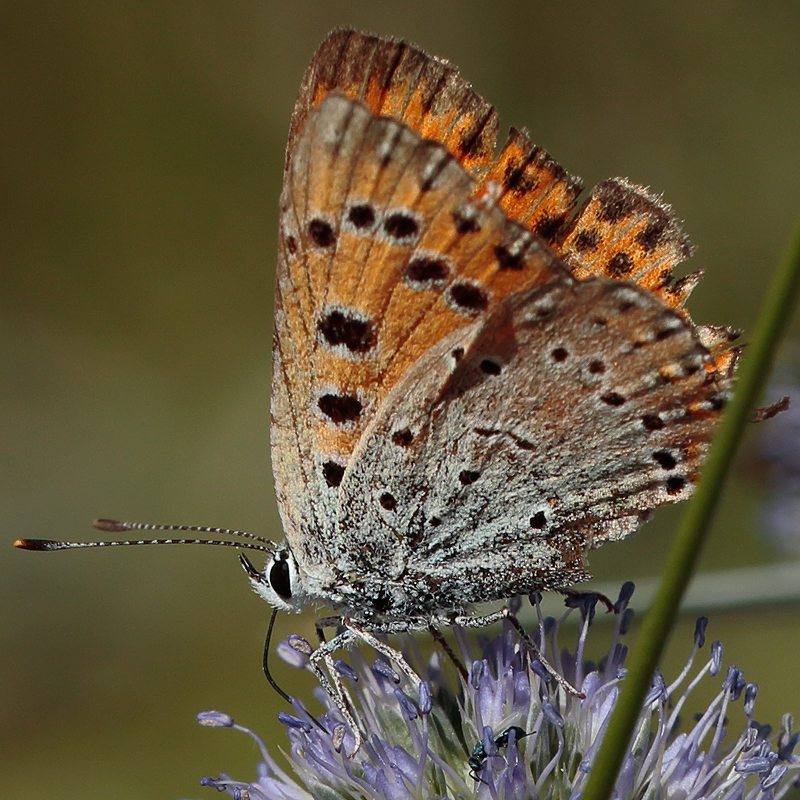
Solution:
(552, 427)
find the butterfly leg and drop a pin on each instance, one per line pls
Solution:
(335, 687)
(467, 621)
(438, 637)
(389, 652)
(578, 593)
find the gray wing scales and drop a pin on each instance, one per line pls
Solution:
(549, 428)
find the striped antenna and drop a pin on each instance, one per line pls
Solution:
(116, 526)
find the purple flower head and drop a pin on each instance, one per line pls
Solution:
(510, 730)
(215, 719)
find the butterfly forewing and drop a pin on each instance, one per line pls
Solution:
(376, 265)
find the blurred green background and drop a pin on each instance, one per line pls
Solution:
(141, 149)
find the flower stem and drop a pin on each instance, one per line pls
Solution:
(774, 317)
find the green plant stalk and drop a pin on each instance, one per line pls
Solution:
(753, 372)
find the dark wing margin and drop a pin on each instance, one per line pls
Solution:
(398, 80)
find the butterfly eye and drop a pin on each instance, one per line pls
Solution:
(280, 580)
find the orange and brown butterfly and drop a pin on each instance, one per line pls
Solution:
(475, 380)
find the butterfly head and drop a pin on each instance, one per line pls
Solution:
(281, 583)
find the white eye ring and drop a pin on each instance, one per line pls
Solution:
(280, 583)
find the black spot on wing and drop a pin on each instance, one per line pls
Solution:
(612, 399)
(549, 227)
(466, 220)
(340, 408)
(400, 226)
(468, 476)
(427, 271)
(675, 484)
(388, 501)
(342, 328)
(652, 422)
(468, 297)
(652, 234)
(620, 265)
(333, 473)
(362, 216)
(508, 260)
(616, 203)
(403, 438)
(539, 520)
(321, 233)
(597, 367)
(665, 459)
(586, 241)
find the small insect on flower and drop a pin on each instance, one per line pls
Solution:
(482, 749)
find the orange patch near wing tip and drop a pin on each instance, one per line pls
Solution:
(444, 128)
(441, 128)
(323, 89)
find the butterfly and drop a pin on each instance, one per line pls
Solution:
(476, 380)
(473, 383)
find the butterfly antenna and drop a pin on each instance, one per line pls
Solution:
(116, 526)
